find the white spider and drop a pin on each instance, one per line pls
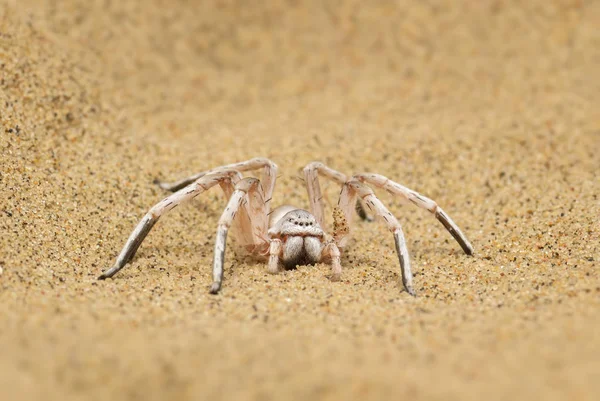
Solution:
(288, 235)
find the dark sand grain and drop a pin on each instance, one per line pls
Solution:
(490, 108)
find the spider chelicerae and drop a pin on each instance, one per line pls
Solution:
(287, 236)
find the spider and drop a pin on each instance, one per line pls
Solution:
(287, 236)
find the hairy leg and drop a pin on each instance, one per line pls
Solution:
(268, 177)
(421, 201)
(244, 190)
(354, 189)
(315, 196)
(275, 252)
(169, 203)
(332, 252)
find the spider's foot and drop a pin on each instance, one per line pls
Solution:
(336, 277)
(163, 185)
(454, 231)
(215, 287)
(109, 273)
(273, 270)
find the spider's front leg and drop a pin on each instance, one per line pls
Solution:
(248, 190)
(354, 189)
(169, 203)
(421, 201)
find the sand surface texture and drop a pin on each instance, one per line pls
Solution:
(491, 108)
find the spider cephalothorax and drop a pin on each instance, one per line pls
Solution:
(302, 237)
(290, 236)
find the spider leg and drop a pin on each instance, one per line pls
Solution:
(275, 252)
(360, 210)
(242, 225)
(421, 201)
(315, 196)
(169, 203)
(354, 189)
(177, 185)
(332, 252)
(248, 190)
(268, 177)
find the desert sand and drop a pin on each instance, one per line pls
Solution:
(491, 108)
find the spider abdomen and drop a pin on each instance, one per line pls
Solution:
(301, 250)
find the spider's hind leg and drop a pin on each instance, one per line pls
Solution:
(315, 197)
(361, 212)
(177, 185)
(269, 175)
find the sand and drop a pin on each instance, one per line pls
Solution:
(489, 108)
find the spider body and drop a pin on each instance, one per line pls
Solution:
(287, 235)
(301, 236)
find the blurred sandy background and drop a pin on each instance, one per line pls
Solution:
(489, 107)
